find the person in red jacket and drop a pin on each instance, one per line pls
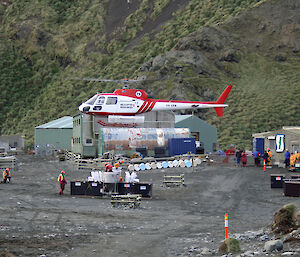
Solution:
(108, 167)
(244, 158)
(62, 181)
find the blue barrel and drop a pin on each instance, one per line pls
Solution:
(165, 165)
(188, 163)
(142, 166)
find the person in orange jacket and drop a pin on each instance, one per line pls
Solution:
(6, 175)
(292, 161)
(62, 181)
(297, 158)
(117, 165)
(269, 157)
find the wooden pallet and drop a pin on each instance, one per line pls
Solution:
(132, 201)
(173, 180)
(8, 162)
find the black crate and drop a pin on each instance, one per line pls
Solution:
(292, 188)
(78, 187)
(295, 176)
(277, 180)
(143, 189)
(94, 189)
(125, 188)
(160, 152)
(142, 150)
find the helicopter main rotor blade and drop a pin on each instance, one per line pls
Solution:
(108, 80)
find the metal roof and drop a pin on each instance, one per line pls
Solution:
(64, 122)
(179, 118)
(294, 130)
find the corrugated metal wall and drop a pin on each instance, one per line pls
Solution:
(53, 138)
(207, 132)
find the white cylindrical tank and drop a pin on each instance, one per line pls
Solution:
(148, 166)
(111, 177)
(153, 165)
(181, 163)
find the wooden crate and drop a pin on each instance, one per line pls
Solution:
(132, 201)
(8, 162)
(173, 180)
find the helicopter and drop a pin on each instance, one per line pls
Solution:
(126, 102)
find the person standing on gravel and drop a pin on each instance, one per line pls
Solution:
(62, 181)
(6, 175)
(238, 156)
(256, 158)
(287, 156)
(269, 157)
(266, 156)
(244, 158)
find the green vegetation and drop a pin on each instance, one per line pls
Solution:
(45, 43)
(230, 245)
(284, 219)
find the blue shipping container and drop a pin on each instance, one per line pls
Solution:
(259, 145)
(179, 146)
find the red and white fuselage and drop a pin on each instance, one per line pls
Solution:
(135, 101)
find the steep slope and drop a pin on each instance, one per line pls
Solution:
(258, 52)
(189, 50)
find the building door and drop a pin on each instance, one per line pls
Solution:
(195, 135)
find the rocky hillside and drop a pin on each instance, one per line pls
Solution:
(185, 49)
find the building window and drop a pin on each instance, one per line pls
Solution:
(272, 143)
(89, 141)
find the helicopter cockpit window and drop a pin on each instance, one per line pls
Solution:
(111, 100)
(100, 100)
(92, 100)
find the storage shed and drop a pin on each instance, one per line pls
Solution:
(280, 140)
(54, 135)
(204, 133)
(12, 141)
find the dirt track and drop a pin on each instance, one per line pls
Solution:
(36, 221)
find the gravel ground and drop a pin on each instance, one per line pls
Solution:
(181, 221)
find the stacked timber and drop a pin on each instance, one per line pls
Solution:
(8, 162)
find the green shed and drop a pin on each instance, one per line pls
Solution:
(205, 134)
(54, 135)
